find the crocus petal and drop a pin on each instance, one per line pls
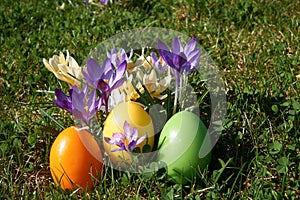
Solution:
(106, 66)
(121, 70)
(78, 101)
(179, 61)
(153, 56)
(116, 139)
(167, 56)
(78, 114)
(92, 103)
(107, 139)
(190, 46)
(48, 66)
(109, 75)
(118, 136)
(60, 95)
(134, 134)
(85, 89)
(112, 52)
(194, 56)
(94, 70)
(88, 80)
(141, 139)
(123, 148)
(103, 86)
(188, 68)
(103, 1)
(162, 46)
(122, 54)
(176, 46)
(54, 64)
(118, 84)
(126, 128)
(131, 145)
(71, 93)
(63, 101)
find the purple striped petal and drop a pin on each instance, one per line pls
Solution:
(131, 145)
(190, 46)
(176, 46)
(94, 70)
(141, 139)
(63, 101)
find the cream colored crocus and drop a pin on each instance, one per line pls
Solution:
(65, 68)
(155, 80)
(145, 62)
(142, 62)
(153, 84)
(128, 89)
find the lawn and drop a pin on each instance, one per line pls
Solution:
(255, 45)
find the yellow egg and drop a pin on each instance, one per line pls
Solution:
(136, 117)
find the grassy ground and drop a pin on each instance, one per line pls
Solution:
(255, 45)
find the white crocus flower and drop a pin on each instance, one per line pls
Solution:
(116, 98)
(65, 69)
(153, 84)
(128, 89)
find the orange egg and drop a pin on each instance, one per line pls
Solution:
(75, 159)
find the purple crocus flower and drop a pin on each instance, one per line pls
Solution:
(159, 63)
(104, 78)
(127, 141)
(180, 59)
(80, 104)
(84, 106)
(118, 57)
(101, 1)
(63, 101)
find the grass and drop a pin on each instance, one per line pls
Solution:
(255, 46)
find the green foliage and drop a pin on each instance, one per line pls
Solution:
(255, 44)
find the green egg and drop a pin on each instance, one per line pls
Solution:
(180, 141)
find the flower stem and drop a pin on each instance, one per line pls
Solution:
(180, 88)
(176, 99)
(106, 107)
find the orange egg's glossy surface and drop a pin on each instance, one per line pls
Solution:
(75, 159)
